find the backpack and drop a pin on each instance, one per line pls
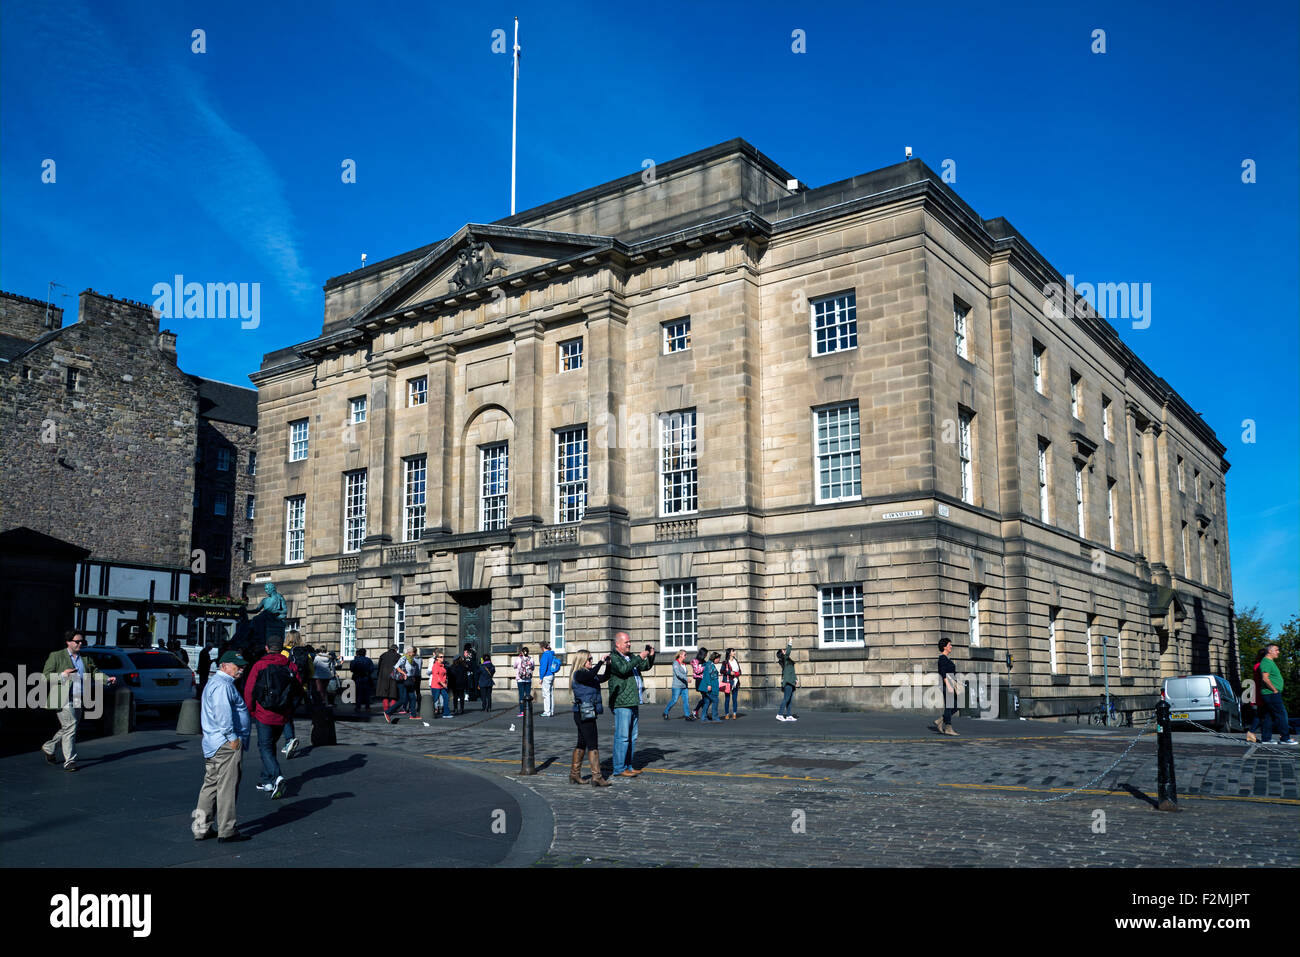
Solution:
(304, 661)
(275, 689)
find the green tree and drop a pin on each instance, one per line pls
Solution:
(1253, 633)
(1288, 662)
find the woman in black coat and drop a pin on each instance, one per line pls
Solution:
(386, 684)
(585, 680)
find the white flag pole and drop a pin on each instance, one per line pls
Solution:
(514, 120)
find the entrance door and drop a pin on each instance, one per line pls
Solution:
(475, 622)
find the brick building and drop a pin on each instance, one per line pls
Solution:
(726, 409)
(99, 433)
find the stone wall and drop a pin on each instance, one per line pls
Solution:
(97, 446)
(25, 318)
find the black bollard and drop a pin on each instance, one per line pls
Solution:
(1167, 798)
(526, 763)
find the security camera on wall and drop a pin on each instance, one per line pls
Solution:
(907, 152)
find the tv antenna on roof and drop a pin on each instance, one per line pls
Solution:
(49, 296)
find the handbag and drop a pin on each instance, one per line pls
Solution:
(587, 710)
(726, 687)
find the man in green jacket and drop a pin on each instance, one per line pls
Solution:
(625, 699)
(1271, 699)
(66, 671)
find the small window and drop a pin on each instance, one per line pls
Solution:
(248, 550)
(840, 621)
(960, 314)
(417, 391)
(1040, 368)
(557, 618)
(219, 504)
(248, 507)
(252, 463)
(571, 355)
(834, 323)
(678, 622)
(677, 335)
(357, 410)
(74, 380)
(223, 460)
(218, 551)
(298, 440)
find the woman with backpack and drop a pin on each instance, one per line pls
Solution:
(585, 682)
(697, 673)
(524, 678)
(485, 681)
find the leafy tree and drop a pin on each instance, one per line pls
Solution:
(1254, 634)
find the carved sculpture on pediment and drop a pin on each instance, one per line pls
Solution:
(475, 263)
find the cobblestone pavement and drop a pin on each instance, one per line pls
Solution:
(821, 793)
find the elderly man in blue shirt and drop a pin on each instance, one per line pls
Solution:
(225, 737)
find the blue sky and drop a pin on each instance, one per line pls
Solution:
(1122, 166)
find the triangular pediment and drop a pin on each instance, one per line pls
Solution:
(476, 259)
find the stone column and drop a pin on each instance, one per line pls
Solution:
(607, 346)
(528, 456)
(1152, 520)
(380, 417)
(1134, 477)
(442, 439)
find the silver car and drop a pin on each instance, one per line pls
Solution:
(1205, 699)
(157, 678)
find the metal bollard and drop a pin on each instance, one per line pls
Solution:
(123, 711)
(526, 762)
(1167, 798)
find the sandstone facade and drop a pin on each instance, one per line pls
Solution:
(465, 347)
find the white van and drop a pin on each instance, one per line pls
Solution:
(1205, 699)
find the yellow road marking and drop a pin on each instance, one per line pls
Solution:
(964, 787)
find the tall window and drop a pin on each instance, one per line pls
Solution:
(678, 625)
(963, 452)
(399, 623)
(1087, 634)
(1204, 567)
(557, 618)
(1179, 467)
(960, 313)
(1081, 510)
(357, 410)
(348, 632)
(835, 323)
(223, 460)
(1110, 511)
(417, 391)
(1105, 419)
(249, 510)
(252, 463)
(494, 468)
(1040, 367)
(1186, 548)
(677, 335)
(1196, 484)
(248, 549)
(297, 440)
(220, 504)
(1076, 405)
(678, 463)
(1053, 614)
(973, 615)
(571, 355)
(840, 621)
(839, 453)
(413, 493)
(74, 380)
(570, 474)
(1119, 646)
(354, 510)
(1044, 495)
(294, 528)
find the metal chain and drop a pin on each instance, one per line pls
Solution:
(1254, 746)
(1083, 787)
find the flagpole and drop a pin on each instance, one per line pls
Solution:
(514, 120)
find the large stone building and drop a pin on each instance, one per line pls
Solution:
(100, 433)
(722, 408)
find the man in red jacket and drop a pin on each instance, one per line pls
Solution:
(269, 722)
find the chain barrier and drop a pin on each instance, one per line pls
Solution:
(1252, 745)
